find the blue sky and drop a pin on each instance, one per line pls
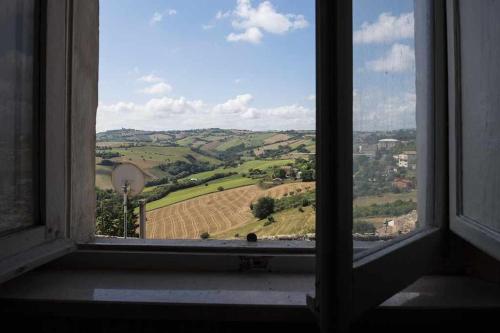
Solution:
(177, 64)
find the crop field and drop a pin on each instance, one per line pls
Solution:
(215, 213)
(192, 192)
(287, 222)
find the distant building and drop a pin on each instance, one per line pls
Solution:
(407, 159)
(387, 143)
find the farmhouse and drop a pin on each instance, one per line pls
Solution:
(407, 159)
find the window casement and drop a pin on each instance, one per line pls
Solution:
(66, 100)
(347, 285)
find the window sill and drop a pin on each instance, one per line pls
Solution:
(160, 294)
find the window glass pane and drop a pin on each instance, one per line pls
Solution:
(16, 113)
(385, 155)
(214, 101)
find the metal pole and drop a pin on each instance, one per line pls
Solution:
(125, 211)
(142, 218)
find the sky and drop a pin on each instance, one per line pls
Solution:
(246, 64)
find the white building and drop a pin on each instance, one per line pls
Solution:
(387, 143)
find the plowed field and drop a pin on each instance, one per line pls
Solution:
(212, 213)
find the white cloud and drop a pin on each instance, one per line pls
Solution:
(311, 97)
(222, 15)
(158, 16)
(157, 89)
(207, 26)
(239, 104)
(251, 35)
(400, 58)
(375, 110)
(180, 113)
(386, 29)
(151, 78)
(253, 21)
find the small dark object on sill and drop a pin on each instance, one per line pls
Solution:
(251, 237)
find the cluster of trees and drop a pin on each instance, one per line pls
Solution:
(163, 190)
(185, 168)
(266, 206)
(104, 154)
(296, 199)
(396, 208)
(109, 215)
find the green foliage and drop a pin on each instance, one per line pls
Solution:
(205, 235)
(264, 207)
(396, 208)
(106, 154)
(302, 199)
(270, 220)
(184, 168)
(220, 188)
(163, 190)
(109, 215)
(279, 173)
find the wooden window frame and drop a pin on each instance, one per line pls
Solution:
(348, 286)
(67, 103)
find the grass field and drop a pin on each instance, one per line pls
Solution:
(214, 213)
(103, 177)
(192, 192)
(242, 168)
(385, 198)
(287, 222)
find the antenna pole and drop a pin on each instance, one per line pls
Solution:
(125, 210)
(142, 218)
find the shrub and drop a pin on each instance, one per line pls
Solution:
(292, 193)
(305, 202)
(301, 209)
(299, 190)
(264, 207)
(205, 235)
(220, 188)
(270, 220)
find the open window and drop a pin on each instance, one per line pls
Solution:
(348, 288)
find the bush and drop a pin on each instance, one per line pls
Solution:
(301, 209)
(205, 235)
(305, 202)
(270, 220)
(264, 207)
(220, 188)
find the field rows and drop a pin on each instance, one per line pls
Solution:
(213, 213)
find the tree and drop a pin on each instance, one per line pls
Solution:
(307, 175)
(264, 207)
(279, 173)
(109, 215)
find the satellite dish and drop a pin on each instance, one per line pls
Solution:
(127, 179)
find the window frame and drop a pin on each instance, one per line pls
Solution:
(381, 272)
(63, 66)
(351, 288)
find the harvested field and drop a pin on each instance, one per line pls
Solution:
(213, 213)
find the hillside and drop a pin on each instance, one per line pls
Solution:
(180, 154)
